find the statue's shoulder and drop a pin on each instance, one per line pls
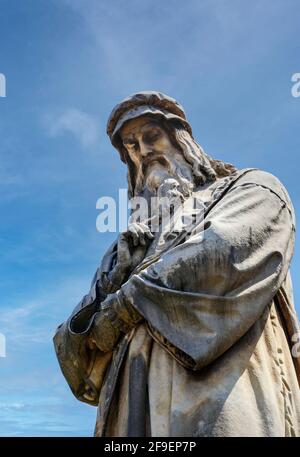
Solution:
(264, 179)
(257, 176)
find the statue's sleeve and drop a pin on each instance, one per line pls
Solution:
(203, 295)
(82, 364)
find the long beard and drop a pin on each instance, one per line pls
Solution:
(165, 188)
(156, 171)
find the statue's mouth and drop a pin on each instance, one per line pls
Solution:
(151, 160)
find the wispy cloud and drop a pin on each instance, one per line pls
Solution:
(42, 416)
(155, 48)
(129, 47)
(48, 308)
(82, 126)
(7, 406)
(36, 400)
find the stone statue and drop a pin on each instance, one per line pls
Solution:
(189, 332)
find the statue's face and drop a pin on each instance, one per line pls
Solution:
(151, 150)
(143, 137)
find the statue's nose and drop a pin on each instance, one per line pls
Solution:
(144, 149)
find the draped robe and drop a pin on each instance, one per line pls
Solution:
(214, 352)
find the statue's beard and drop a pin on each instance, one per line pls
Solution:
(165, 184)
(158, 173)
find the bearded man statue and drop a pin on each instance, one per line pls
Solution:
(191, 332)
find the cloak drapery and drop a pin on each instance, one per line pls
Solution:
(212, 352)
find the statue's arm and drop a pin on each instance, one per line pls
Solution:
(201, 297)
(81, 362)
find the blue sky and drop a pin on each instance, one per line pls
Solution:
(67, 63)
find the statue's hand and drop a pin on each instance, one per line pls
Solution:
(108, 324)
(131, 249)
(140, 233)
(123, 251)
(105, 330)
(140, 237)
(103, 334)
(124, 262)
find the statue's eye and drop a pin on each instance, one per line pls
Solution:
(151, 137)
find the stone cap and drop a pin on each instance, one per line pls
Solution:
(139, 104)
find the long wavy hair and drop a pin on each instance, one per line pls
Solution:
(204, 168)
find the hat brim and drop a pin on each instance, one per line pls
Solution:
(143, 111)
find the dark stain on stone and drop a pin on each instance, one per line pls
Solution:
(138, 398)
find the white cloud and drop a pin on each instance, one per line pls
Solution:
(82, 126)
(12, 406)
